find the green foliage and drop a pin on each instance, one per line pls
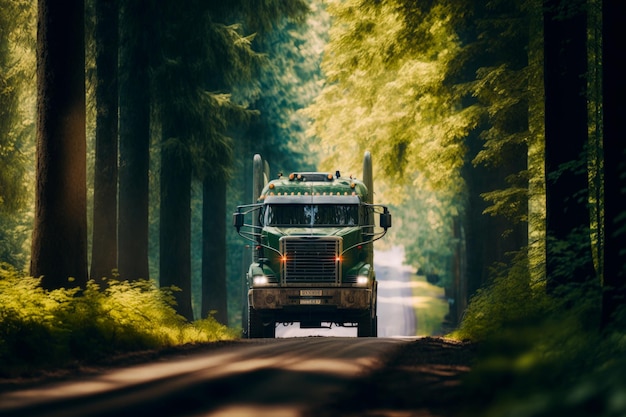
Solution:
(17, 29)
(423, 225)
(431, 306)
(197, 107)
(386, 92)
(40, 328)
(512, 299)
(290, 80)
(16, 68)
(541, 355)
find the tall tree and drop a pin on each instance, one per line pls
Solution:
(568, 246)
(214, 294)
(193, 128)
(177, 116)
(134, 132)
(175, 230)
(59, 246)
(104, 242)
(614, 90)
(494, 63)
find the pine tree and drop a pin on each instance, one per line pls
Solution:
(569, 259)
(614, 88)
(195, 117)
(59, 246)
(104, 243)
(494, 65)
(134, 131)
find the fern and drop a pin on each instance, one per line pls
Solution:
(42, 329)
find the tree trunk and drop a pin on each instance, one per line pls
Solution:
(614, 90)
(104, 244)
(134, 139)
(59, 245)
(214, 294)
(175, 237)
(568, 246)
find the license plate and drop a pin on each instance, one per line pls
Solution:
(311, 301)
(310, 293)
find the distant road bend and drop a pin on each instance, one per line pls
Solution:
(276, 377)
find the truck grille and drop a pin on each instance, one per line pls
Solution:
(310, 259)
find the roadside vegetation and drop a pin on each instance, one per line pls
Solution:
(42, 329)
(431, 306)
(542, 353)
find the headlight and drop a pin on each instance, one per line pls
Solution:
(362, 280)
(259, 280)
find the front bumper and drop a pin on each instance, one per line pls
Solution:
(310, 298)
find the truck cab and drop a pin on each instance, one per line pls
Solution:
(312, 260)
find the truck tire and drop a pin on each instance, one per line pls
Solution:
(245, 319)
(375, 326)
(257, 329)
(366, 325)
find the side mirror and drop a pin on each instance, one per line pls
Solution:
(238, 220)
(385, 220)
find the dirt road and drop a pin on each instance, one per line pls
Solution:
(279, 377)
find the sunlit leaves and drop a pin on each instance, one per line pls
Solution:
(16, 71)
(386, 93)
(49, 328)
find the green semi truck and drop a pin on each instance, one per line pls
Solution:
(312, 256)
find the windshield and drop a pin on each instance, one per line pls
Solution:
(311, 215)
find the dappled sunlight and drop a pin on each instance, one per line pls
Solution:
(332, 366)
(114, 380)
(256, 410)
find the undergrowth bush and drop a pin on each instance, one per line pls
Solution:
(542, 354)
(40, 328)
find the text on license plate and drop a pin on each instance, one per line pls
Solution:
(310, 301)
(310, 293)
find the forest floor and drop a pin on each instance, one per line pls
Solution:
(422, 378)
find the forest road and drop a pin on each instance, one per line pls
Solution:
(269, 377)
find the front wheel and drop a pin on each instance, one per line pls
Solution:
(257, 329)
(367, 326)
